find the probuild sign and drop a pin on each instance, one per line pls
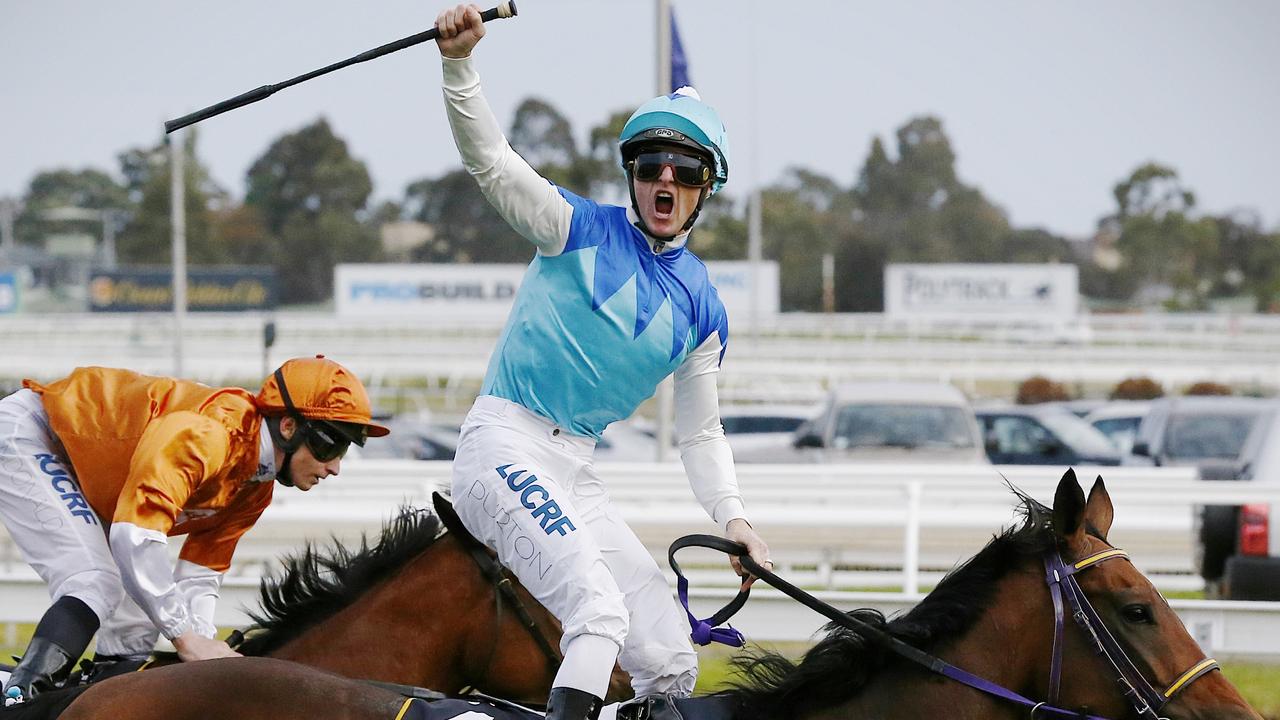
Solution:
(485, 293)
(464, 293)
(970, 289)
(8, 292)
(208, 290)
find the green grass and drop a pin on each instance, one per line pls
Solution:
(1259, 683)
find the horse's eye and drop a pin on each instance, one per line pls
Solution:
(1136, 614)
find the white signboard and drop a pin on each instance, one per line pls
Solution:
(971, 289)
(456, 292)
(459, 293)
(733, 280)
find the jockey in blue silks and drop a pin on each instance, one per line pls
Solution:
(612, 304)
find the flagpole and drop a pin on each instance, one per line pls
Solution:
(755, 239)
(662, 78)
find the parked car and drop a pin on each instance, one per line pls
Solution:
(759, 433)
(1042, 435)
(627, 441)
(1079, 408)
(411, 439)
(1252, 569)
(892, 422)
(1119, 421)
(1225, 438)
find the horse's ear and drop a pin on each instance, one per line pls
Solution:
(1099, 512)
(1068, 511)
(453, 523)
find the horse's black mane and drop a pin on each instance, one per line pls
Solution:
(840, 665)
(318, 583)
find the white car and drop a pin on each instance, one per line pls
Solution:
(759, 433)
(1119, 421)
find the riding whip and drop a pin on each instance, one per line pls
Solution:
(504, 9)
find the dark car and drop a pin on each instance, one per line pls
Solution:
(412, 439)
(1042, 435)
(1223, 437)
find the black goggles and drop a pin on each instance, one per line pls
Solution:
(688, 170)
(325, 441)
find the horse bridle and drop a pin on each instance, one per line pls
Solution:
(1060, 578)
(504, 589)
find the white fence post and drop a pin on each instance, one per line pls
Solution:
(911, 540)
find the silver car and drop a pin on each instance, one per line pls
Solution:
(893, 422)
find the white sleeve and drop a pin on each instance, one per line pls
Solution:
(143, 560)
(525, 199)
(199, 586)
(705, 452)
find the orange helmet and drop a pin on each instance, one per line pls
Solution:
(319, 389)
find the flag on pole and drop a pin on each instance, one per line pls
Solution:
(679, 65)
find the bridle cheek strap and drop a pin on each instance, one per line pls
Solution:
(1146, 700)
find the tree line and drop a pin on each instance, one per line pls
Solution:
(307, 205)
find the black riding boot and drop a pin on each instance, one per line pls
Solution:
(44, 663)
(567, 703)
(63, 633)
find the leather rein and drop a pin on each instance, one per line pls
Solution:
(504, 590)
(1060, 578)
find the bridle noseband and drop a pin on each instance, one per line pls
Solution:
(1061, 580)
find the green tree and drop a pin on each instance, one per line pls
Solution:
(1161, 243)
(803, 218)
(310, 194)
(148, 237)
(88, 189)
(544, 138)
(466, 227)
(915, 209)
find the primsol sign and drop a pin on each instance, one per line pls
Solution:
(972, 289)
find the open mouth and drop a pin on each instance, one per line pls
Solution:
(664, 203)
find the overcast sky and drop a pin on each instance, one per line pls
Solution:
(1048, 104)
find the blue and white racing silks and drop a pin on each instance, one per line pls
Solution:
(631, 317)
(604, 313)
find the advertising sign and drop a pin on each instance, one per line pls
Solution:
(8, 292)
(485, 293)
(208, 289)
(464, 293)
(1050, 290)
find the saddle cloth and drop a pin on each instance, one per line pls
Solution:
(649, 707)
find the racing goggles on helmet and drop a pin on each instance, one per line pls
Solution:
(326, 440)
(688, 170)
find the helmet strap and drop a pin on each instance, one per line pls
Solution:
(289, 445)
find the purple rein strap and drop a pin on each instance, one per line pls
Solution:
(705, 632)
(937, 665)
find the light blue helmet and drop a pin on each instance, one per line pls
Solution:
(680, 118)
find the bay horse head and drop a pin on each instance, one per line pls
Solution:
(1048, 611)
(418, 606)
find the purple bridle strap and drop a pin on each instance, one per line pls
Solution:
(1146, 700)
